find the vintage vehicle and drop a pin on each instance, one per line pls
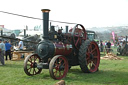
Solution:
(91, 35)
(59, 51)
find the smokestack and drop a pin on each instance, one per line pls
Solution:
(66, 29)
(24, 32)
(45, 22)
(1, 32)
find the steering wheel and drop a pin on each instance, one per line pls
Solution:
(78, 35)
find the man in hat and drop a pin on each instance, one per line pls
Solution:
(2, 51)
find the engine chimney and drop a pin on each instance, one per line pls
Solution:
(24, 33)
(66, 29)
(1, 32)
(45, 22)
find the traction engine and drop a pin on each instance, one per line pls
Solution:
(59, 51)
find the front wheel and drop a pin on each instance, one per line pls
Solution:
(30, 65)
(58, 67)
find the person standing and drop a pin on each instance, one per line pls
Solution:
(108, 47)
(101, 46)
(20, 45)
(2, 52)
(7, 50)
(105, 44)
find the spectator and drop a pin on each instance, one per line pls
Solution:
(2, 52)
(105, 44)
(101, 46)
(20, 45)
(7, 50)
(108, 46)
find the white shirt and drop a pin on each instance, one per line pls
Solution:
(2, 46)
(21, 43)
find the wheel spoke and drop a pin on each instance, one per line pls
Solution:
(64, 64)
(28, 64)
(87, 58)
(60, 62)
(30, 70)
(77, 42)
(96, 56)
(34, 59)
(59, 73)
(93, 64)
(56, 63)
(90, 65)
(93, 50)
(30, 60)
(55, 72)
(90, 48)
(33, 70)
(36, 70)
(56, 67)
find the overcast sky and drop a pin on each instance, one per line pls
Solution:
(90, 13)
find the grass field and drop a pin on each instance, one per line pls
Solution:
(111, 72)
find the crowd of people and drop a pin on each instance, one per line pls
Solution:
(5, 50)
(122, 47)
(106, 46)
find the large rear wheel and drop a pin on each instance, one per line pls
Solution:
(58, 67)
(30, 65)
(89, 56)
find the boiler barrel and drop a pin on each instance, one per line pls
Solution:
(62, 49)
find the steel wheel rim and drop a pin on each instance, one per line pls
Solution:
(31, 65)
(93, 57)
(59, 68)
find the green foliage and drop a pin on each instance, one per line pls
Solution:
(111, 72)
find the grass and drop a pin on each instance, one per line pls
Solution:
(111, 72)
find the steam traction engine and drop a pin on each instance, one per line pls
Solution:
(59, 51)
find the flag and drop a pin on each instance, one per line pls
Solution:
(113, 36)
